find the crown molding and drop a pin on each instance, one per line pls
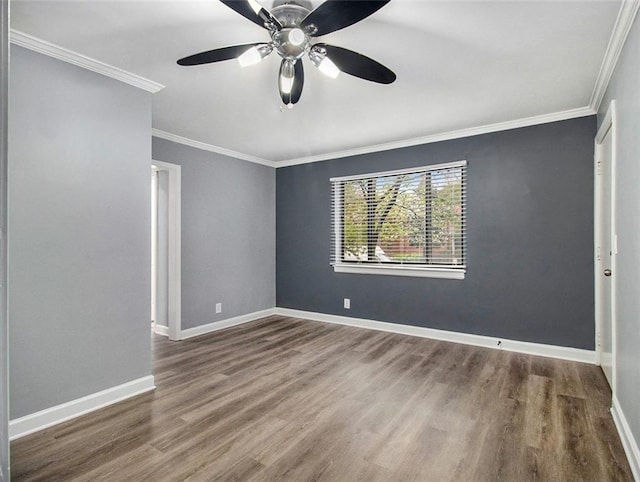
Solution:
(626, 16)
(446, 136)
(209, 147)
(38, 45)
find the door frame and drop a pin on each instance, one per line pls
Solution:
(608, 125)
(174, 240)
(5, 474)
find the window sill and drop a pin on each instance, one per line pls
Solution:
(444, 273)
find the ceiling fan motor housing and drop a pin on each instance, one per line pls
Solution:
(291, 42)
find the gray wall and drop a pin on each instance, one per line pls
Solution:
(4, 352)
(529, 239)
(228, 233)
(79, 232)
(625, 89)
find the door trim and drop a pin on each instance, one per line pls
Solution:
(174, 242)
(608, 125)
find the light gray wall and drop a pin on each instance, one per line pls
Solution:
(529, 239)
(228, 233)
(79, 232)
(4, 353)
(625, 89)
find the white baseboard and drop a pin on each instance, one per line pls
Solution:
(222, 324)
(160, 330)
(626, 435)
(34, 422)
(552, 351)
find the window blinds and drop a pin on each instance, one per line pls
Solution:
(413, 217)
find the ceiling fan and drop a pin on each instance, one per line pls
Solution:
(292, 24)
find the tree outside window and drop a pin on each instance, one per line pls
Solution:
(413, 218)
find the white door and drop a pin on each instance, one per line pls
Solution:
(605, 256)
(605, 264)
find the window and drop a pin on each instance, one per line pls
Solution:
(409, 222)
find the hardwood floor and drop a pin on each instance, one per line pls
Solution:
(287, 399)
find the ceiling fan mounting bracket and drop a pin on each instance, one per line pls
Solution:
(290, 14)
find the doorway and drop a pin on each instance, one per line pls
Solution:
(606, 245)
(165, 249)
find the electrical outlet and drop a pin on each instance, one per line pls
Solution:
(218, 307)
(347, 304)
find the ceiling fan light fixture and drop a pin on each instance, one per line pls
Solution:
(319, 58)
(296, 37)
(255, 6)
(286, 84)
(254, 55)
(287, 75)
(328, 68)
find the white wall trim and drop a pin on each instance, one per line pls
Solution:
(551, 351)
(209, 147)
(222, 324)
(626, 15)
(38, 45)
(5, 472)
(446, 136)
(34, 422)
(161, 330)
(416, 272)
(629, 443)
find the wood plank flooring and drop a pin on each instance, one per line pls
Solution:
(288, 399)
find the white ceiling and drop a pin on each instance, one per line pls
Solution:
(460, 65)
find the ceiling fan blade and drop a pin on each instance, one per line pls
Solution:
(293, 96)
(253, 11)
(217, 55)
(358, 65)
(333, 15)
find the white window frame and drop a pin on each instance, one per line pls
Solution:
(444, 272)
